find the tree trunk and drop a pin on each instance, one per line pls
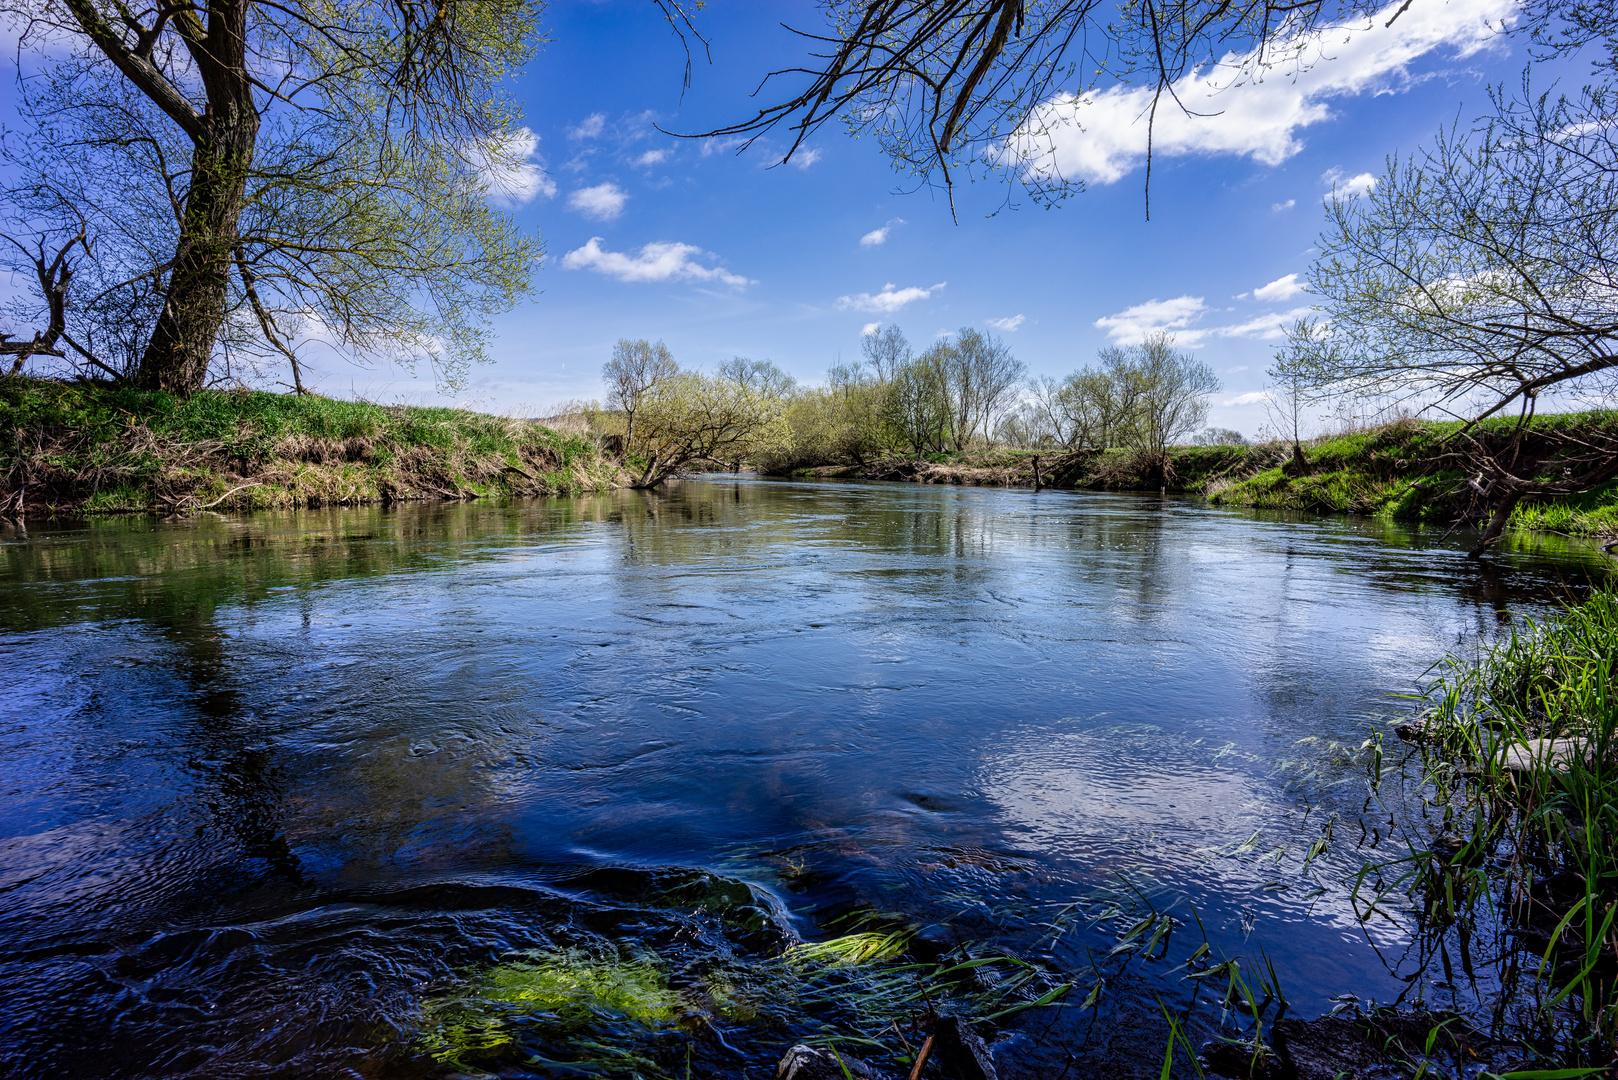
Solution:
(1497, 522)
(177, 354)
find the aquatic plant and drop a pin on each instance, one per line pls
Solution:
(858, 948)
(590, 1012)
(1513, 829)
(565, 991)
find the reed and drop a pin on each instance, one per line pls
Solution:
(1517, 832)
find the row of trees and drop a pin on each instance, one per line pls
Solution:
(953, 395)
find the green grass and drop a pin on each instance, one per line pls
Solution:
(96, 448)
(1401, 471)
(1519, 834)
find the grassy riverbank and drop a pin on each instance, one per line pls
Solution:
(97, 448)
(1404, 470)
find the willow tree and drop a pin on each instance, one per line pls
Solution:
(734, 414)
(246, 175)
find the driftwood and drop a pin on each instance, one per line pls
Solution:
(1558, 755)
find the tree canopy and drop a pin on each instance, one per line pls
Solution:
(222, 179)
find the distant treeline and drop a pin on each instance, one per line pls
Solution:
(965, 392)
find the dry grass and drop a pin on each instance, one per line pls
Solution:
(101, 449)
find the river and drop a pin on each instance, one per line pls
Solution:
(272, 785)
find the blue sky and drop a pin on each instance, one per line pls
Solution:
(749, 260)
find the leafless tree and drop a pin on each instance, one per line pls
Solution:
(886, 350)
(637, 368)
(981, 373)
(1286, 404)
(53, 265)
(1173, 398)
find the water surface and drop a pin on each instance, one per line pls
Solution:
(266, 781)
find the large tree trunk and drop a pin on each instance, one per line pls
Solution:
(177, 354)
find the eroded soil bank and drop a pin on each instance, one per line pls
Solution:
(96, 448)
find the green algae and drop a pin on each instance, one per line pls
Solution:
(567, 991)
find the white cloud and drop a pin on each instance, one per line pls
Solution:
(652, 157)
(1346, 186)
(716, 145)
(880, 236)
(805, 158)
(660, 261)
(1282, 288)
(1281, 206)
(1131, 325)
(602, 202)
(1009, 325)
(1264, 327)
(511, 170)
(870, 328)
(588, 128)
(1257, 397)
(1246, 108)
(888, 300)
(1234, 370)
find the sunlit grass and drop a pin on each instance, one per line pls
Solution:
(108, 449)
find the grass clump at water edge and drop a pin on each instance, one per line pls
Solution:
(1516, 843)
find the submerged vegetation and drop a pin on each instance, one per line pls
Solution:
(104, 448)
(646, 1015)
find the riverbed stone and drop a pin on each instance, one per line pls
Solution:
(1556, 754)
(960, 1051)
(811, 1063)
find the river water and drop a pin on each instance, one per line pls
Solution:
(268, 784)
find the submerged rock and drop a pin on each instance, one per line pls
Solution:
(1383, 1044)
(809, 1063)
(1413, 731)
(960, 1051)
